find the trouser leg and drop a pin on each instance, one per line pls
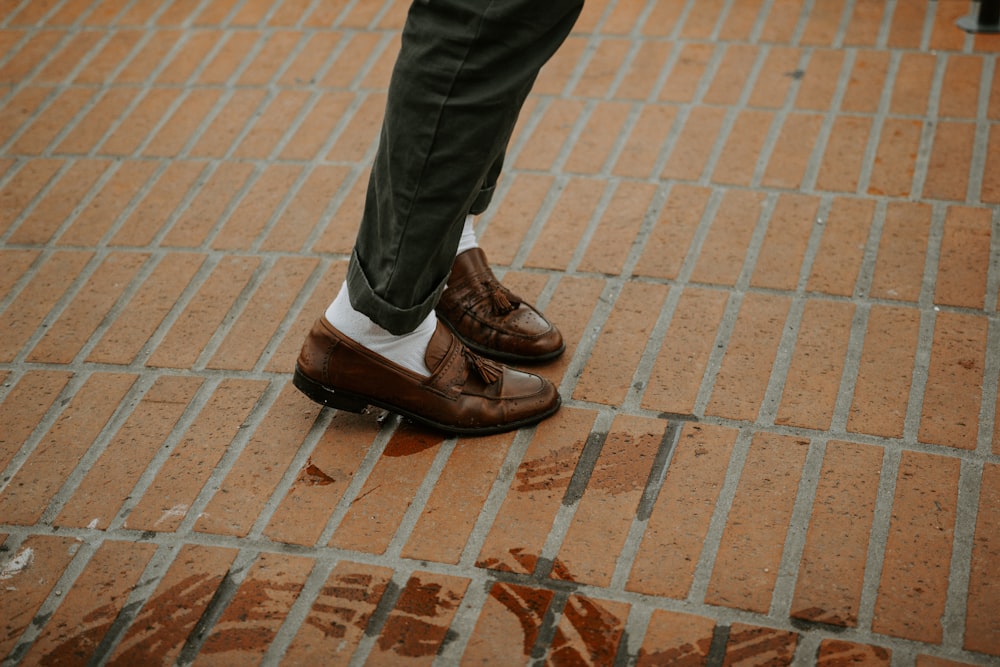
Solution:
(464, 70)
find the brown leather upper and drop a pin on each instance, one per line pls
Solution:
(492, 320)
(465, 393)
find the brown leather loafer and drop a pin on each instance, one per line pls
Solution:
(490, 319)
(465, 394)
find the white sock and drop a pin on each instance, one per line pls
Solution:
(468, 240)
(407, 350)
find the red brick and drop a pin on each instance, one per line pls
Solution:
(269, 59)
(142, 65)
(161, 628)
(950, 161)
(619, 225)
(668, 243)
(742, 150)
(64, 60)
(991, 171)
(131, 330)
(604, 514)
(180, 479)
(732, 74)
(88, 309)
(208, 206)
(87, 133)
(30, 572)
(746, 565)
(780, 259)
(204, 314)
(339, 617)
(701, 24)
(912, 84)
(417, 627)
(289, 13)
(255, 474)
(673, 638)
(524, 520)
(104, 209)
(944, 37)
(838, 653)
(50, 464)
(813, 379)
(823, 23)
(982, 624)
(110, 479)
(32, 13)
(306, 210)
(896, 158)
(164, 197)
(14, 264)
(515, 213)
(88, 609)
(137, 15)
(360, 48)
(23, 408)
(217, 139)
(602, 68)
(228, 59)
(553, 78)
(789, 160)
(616, 355)
(959, 96)
(320, 484)
(775, 79)
(868, 76)
(361, 132)
(845, 231)
(549, 136)
(135, 128)
(38, 47)
(882, 389)
(287, 351)
(256, 208)
(746, 368)
(721, 258)
(316, 126)
(105, 12)
(675, 534)
(781, 22)
(23, 187)
(20, 108)
(687, 71)
(644, 70)
(680, 366)
(186, 61)
(593, 147)
(270, 126)
(37, 298)
(341, 226)
(741, 16)
(845, 151)
(907, 26)
(252, 618)
(902, 252)
(750, 645)
(117, 50)
(390, 489)
(57, 205)
(694, 144)
(831, 573)
(955, 381)
(932, 661)
(566, 224)
(644, 146)
(457, 499)
(914, 584)
(865, 24)
(588, 632)
(571, 307)
(508, 624)
(819, 79)
(663, 18)
(177, 131)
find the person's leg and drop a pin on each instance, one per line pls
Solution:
(464, 70)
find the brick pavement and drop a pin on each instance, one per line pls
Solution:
(770, 230)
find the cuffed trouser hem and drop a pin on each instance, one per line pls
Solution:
(395, 320)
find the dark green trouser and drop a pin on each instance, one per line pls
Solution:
(463, 72)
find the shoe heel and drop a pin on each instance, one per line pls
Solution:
(326, 396)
